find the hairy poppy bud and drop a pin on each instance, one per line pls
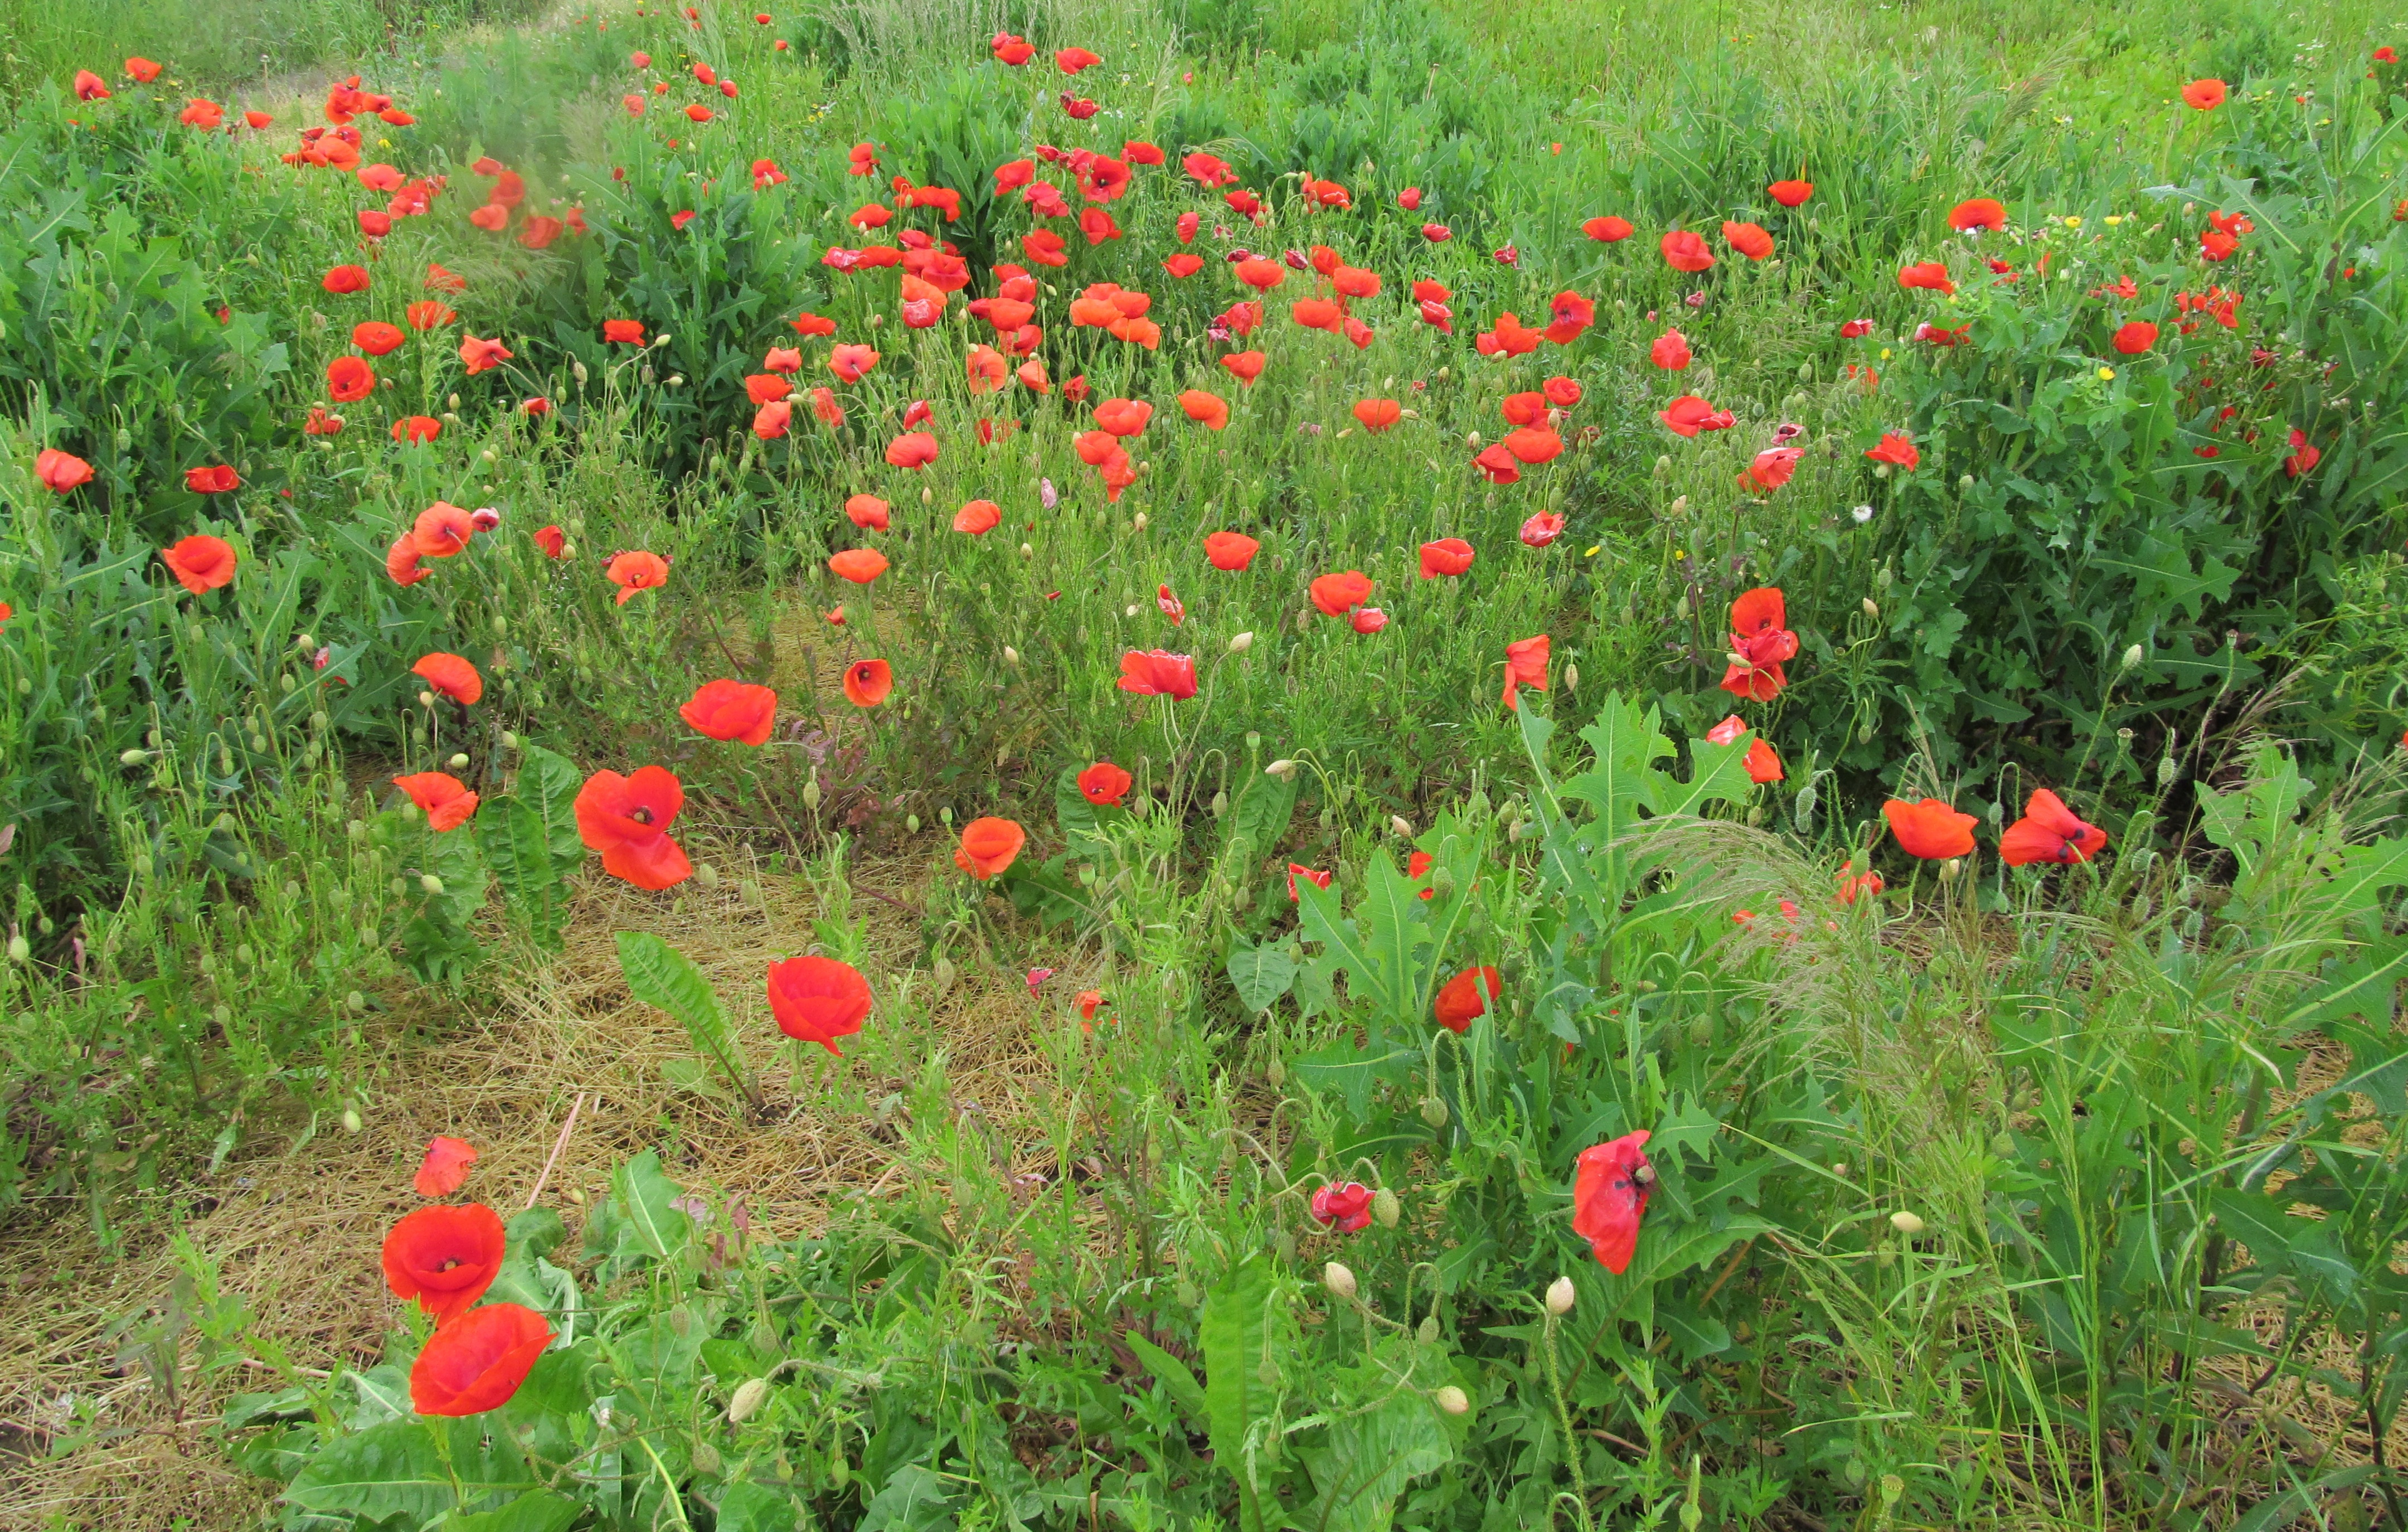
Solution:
(2167, 771)
(1387, 1208)
(1571, 677)
(1138, 523)
(1906, 1223)
(457, 761)
(1443, 883)
(1663, 467)
(133, 757)
(1220, 803)
(1402, 825)
(1276, 1073)
(431, 883)
(1010, 656)
(355, 1002)
(911, 823)
(1282, 768)
(1434, 1112)
(1871, 611)
(942, 974)
(1027, 552)
(1242, 642)
(1454, 1400)
(510, 740)
(20, 950)
(707, 875)
(2133, 657)
(351, 1118)
(811, 794)
(1339, 1279)
(750, 1395)
(577, 370)
(1950, 868)
(1559, 1297)
(1681, 504)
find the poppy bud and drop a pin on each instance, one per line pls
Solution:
(1387, 1208)
(707, 875)
(2167, 771)
(1281, 768)
(577, 370)
(1220, 803)
(1454, 1400)
(1950, 868)
(1027, 551)
(351, 1118)
(431, 883)
(1139, 523)
(1571, 677)
(1010, 656)
(22, 951)
(1871, 611)
(1402, 825)
(1242, 642)
(426, 699)
(133, 757)
(1339, 1280)
(911, 823)
(2133, 657)
(677, 380)
(927, 496)
(1681, 608)
(1434, 1112)
(1906, 1223)
(1559, 1297)
(1680, 506)
(1663, 467)
(811, 794)
(510, 740)
(750, 1395)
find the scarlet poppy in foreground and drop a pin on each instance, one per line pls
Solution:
(989, 845)
(1526, 665)
(1895, 450)
(867, 682)
(860, 565)
(1930, 829)
(476, 1362)
(818, 999)
(443, 798)
(445, 1166)
(1446, 558)
(1610, 1187)
(1761, 642)
(61, 471)
(1104, 783)
(732, 710)
(1158, 673)
(1466, 998)
(627, 820)
(445, 1257)
(1344, 1206)
(1230, 550)
(2049, 832)
(200, 562)
(636, 571)
(451, 676)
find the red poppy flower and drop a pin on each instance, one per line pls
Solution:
(1336, 595)
(1012, 49)
(1467, 997)
(1072, 60)
(1790, 193)
(1763, 763)
(2205, 94)
(978, 517)
(1688, 415)
(481, 355)
(1297, 870)
(636, 571)
(401, 561)
(2135, 337)
(1526, 665)
(1895, 450)
(818, 999)
(1446, 558)
(451, 676)
(1772, 469)
(868, 682)
(551, 539)
(1608, 230)
(627, 820)
(1229, 550)
(623, 332)
(61, 471)
(1378, 415)
(1158, 673)
(2049, 832)
(1670, 351)
(1104, 783)
(1208, 410)
(476, 1362)
(1749, 240)
(445, 1166)
(446, 802)
(1316, 313)
(349, 379)
(1542, 528)
(1344, 1208)
(1932, 276)
(1533, 445)
(200, 562)
(860, 565)
(912, 449)
(1497, 463)
(1367, 619)
(1930, 829)
(417, 430)
(732, 710)
(444, 1256)
(2303, 456)
(441, 530)
(1245, 367)
(1685, 251)
(773, 419)
(1124, 417)
(1760, 643)
(377, 338)
(989, 845)
(1978, 213)
(1610, 1189)
(346, 279)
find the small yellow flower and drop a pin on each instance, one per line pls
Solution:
(2074, 220)
(1592, 552)
(2114, 219)
(384, 143)
(2106, 374)
(1885, 354)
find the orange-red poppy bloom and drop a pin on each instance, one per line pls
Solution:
(1685, 251)
(2135, 337)
(445, 1166)
(417, 429)
(1761, 642)
(1930, 276)
(1104, 783)
(988, 846)
(818, 999)
(1124, 417)
(61, 471)
(912, 449)
(859, 564)
(1790, 193)
(2205, 94)
(1749, 240)
(1895, 450)
(1978, 213)
(377, 338)
(451, 676)
(1499, 463)
(1609, 229)
(444, 1256)
(1378, 415)
(1688, 415)
(2049, 832)
(1446, 558)
(1526, 665)
(1533, 445)
(978, 517)
(1336, 595)
(441, 530)
(1772, 469)
(349, 379)
(636, 571)
(200, 562)
(871, 514)
(1930, 829)
(627, 820)
(1245, 367)
(345, 279)
(1229, 550)
(1210, 410)
(443, 798)
(1610, 1186)
(732, 710)
(623, 332)
(401, 561)
(1466, 998)
(868, 682)
(481, 355)
(476, 1362)
(1158, 673)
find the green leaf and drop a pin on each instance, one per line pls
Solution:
(537, 1511)
(1263, 811)
(913, 1500)
(642, 1195)
(1350, 1072)
(384, 1471)
(1261, 974)
(512, 834)
(548, 784)
(1233, 1340)
(749, 1507)
(660, 976)
(1371, 1458)
(1174, 1373)
(535, 1231)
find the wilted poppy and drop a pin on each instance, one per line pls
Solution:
(476, 1362)
(1229, 550)
(860, 565)
(636, 571)
(868, 682)
(1104, 783)
(1378, 415)
(444, 1256)
(1610, 1186)
(732, 710)
(1336, 595)
(444, 1167)
(1446, 558)
(1685, 251)
(1930, 829)
(451, 676)
(1345, 1208)
(627, 820)
(1526, 665)
(401, 561)
(988, 846)
(1155, 672)
(443, 798)
(200, 562)
(818, 999)
(2049, 832)
(1467, 997)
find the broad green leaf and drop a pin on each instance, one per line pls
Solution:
(548, 784)
(1233, 1341)
(1369, 1459)
(912, 1500)
(748, 1506)
(642, 1196)
(1350, 1072)
(383, 1394)
(1075, 814)
(385, 1472)
(512, 834)
(1174, 1373)
(1261, 974)
(537, 1511)
(1261, 814)
(660, 976)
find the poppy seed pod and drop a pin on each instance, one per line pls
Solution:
(1906, 1223)
(1386, 1208)
(811, 795)
(1339, 1280)
(1559, 1297)
(1451, 1399)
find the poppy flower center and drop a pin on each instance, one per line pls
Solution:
(641, 814)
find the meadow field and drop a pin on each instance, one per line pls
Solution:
(892, 764)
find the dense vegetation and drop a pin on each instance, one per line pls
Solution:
(1689, 739)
